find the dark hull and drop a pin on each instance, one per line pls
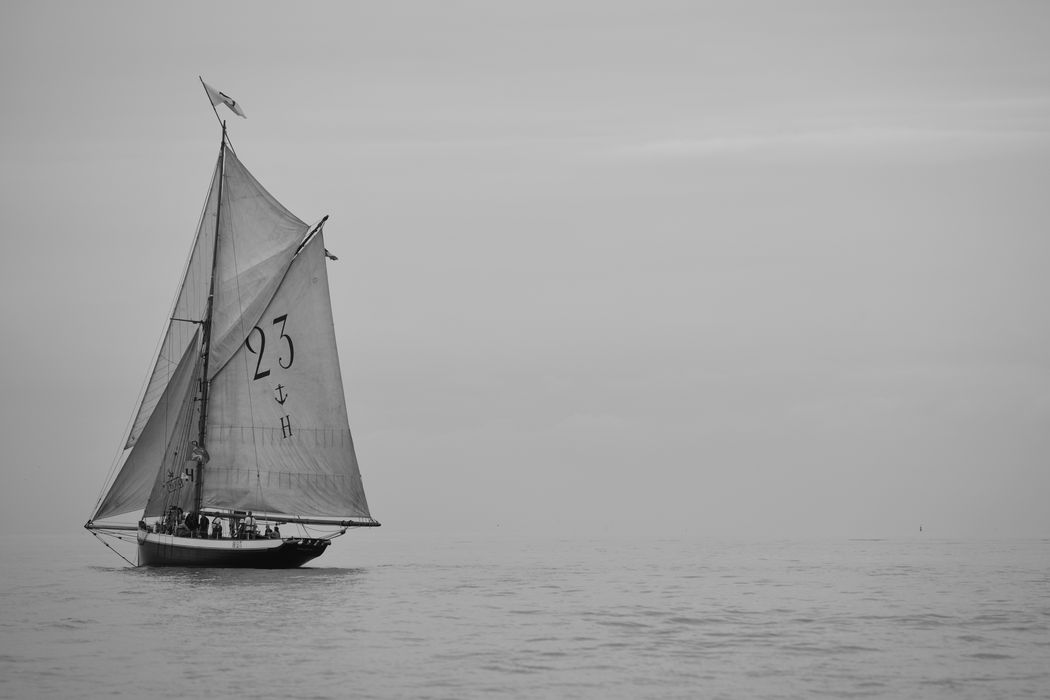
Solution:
(166, 550)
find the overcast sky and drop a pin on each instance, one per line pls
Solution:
(716, 269)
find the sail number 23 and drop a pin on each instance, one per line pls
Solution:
(259, 371)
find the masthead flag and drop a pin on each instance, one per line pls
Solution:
(217, 97)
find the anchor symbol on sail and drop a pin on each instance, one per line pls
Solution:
(286, 421)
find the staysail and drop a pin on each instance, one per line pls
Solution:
(277, 431)
(131, 488)
(173, 483)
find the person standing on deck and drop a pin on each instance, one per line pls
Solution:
(191, 523)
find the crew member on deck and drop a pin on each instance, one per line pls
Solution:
(171, 520)
(191, 523)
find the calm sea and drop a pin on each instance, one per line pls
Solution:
(387, 616)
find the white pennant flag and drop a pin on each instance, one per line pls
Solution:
(217, 97)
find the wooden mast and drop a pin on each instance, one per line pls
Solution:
(202, 428)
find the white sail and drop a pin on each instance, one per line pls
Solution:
(278, 431)
(131, 488)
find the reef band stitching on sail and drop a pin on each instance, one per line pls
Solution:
(234, 476)
(322, 437)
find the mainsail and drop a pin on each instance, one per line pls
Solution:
(278, 431)
(277, 434)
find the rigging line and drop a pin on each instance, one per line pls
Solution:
(180, 437)
(176, 497)
(99, 538)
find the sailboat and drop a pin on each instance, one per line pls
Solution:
(243, 420)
